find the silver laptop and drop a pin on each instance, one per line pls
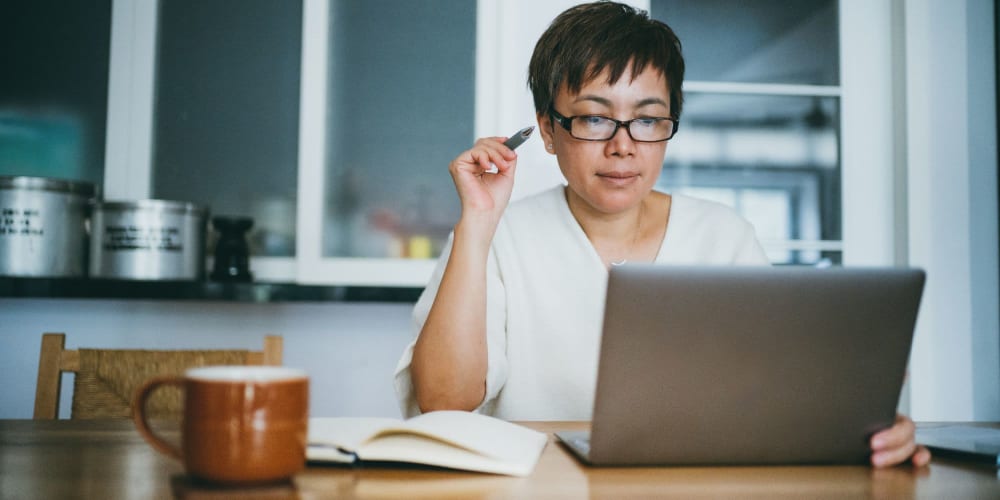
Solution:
(748, 365)
(975, 442)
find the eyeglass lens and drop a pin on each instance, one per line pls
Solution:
(603, 128)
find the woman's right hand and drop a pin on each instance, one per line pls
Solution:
(484, 194)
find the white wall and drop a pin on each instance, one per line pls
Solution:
(349, 349)
(951, 152)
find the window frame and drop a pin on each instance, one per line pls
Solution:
(782, 90)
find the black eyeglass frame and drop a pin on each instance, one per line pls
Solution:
(567, 123)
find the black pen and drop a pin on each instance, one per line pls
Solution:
(519, 137)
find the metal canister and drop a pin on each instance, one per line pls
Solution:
(43, 226)
(148, 240)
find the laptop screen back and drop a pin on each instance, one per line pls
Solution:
(740, 365)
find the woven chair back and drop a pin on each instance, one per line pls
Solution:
(107, 379)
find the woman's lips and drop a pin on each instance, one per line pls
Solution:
(618, 178)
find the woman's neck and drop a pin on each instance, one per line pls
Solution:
(602, 226)
(617, 237)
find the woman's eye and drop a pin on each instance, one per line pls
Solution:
(646, 122)
(593, 120)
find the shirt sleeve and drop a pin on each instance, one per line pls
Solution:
(496, 339)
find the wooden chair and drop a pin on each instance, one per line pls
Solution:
(106, 379)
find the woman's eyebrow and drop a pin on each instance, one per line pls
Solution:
(593, 98)
(649, 101)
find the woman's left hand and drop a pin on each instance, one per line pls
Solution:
(896, 445)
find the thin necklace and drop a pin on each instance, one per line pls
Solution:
(635, 238)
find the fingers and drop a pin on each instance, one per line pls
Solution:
(897, 435)
(893, 456)
(896, 444)
(484, 177)
(487, 155)
(921, 457)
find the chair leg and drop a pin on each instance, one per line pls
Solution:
(49, 382)
(273, 350)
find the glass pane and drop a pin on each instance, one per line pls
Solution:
(54, 88)
(227, 112)
(774, 158)
(763, 41)
(401, 106)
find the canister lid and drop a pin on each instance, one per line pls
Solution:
(183, 207)
(46, 184)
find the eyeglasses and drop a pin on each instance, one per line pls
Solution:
(602, 128)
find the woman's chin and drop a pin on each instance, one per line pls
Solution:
(612, 201)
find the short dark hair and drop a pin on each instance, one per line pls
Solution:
(586, 39)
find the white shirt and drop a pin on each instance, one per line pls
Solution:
(545, 301)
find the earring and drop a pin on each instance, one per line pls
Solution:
(549, 147)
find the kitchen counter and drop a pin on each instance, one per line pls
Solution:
(88, 288)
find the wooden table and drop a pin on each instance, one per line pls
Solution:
(108, 460)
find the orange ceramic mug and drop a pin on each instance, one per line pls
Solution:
(241, 424)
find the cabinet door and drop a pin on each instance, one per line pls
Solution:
(400, 106)
(225, 125)
(398, 101)
(54, 88)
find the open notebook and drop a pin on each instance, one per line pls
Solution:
(453, 439)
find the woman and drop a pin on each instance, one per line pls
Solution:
(510, 322)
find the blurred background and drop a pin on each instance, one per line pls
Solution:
(850, 132)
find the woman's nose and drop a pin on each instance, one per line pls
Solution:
(620, 144)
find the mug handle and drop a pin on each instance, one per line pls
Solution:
(139, 414)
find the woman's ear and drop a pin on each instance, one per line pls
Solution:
(545, 128)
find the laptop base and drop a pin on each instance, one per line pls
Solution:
(578, 442)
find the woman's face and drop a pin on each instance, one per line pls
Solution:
(615, 175)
